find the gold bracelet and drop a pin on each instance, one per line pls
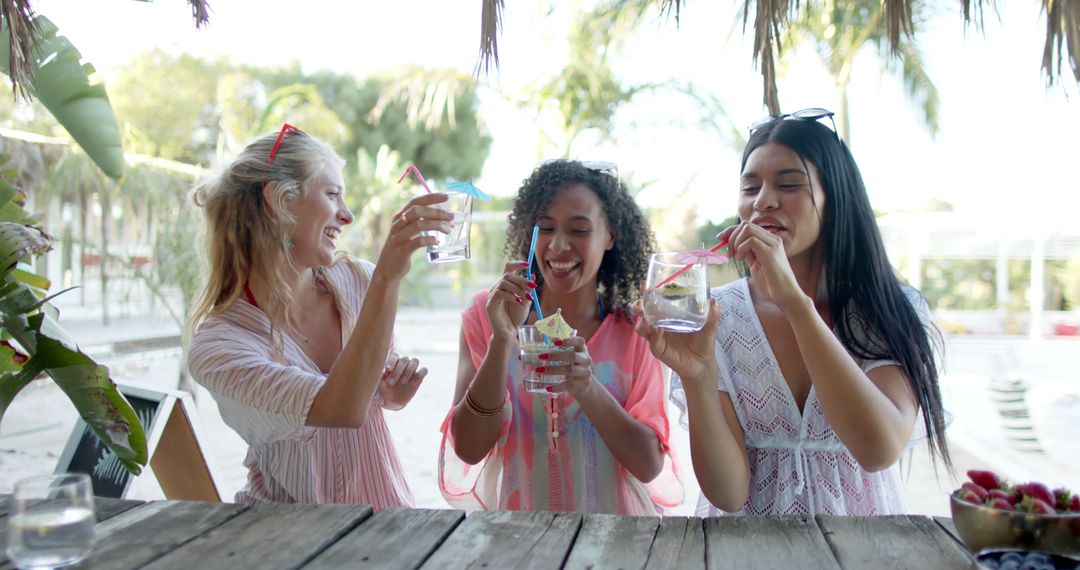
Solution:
(482, 412)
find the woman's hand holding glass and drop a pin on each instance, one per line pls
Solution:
(576, 364)
(764, 253)
(509, 300)
(690, 355)
(406, 233)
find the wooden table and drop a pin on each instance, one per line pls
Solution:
(193, 535)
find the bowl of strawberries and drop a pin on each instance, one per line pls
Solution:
(990, 512)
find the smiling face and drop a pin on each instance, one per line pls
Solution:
(320, 214)
(784, 195)
(573, 237)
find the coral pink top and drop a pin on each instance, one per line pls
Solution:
(549, 456)
(266, 397)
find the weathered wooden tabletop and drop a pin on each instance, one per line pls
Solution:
(190, 535)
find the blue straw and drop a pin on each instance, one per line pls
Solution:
(528, 270)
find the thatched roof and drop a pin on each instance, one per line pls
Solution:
(770, 17)
(18, 16)
(30, 157)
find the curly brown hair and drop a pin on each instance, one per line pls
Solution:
(624, 267)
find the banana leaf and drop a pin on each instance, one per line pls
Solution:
(62, 84)
(86, 383)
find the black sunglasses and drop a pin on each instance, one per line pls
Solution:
(811, 114)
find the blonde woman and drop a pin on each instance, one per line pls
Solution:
(292, 338)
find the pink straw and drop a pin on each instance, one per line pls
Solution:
(416, 171)
(675, 275)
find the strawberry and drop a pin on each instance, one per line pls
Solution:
(1030, 504)
(1043, 508)
(986, 479)
(1036, 490)
(974, 488)
(1062, 497)
(1074, 504)
(968, 496)
(1011, 497)
(1000, 504)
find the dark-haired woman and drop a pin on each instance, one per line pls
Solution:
(599, 442)
(805, 386)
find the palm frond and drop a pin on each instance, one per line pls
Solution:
(666, 6)
(17, 16)
(200, 11)
(898, 18)
(770, 16)
(920, 87)
(973, 10)
(427, 94)
(1062, 37)
(490, 25)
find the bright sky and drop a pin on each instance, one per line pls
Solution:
(1006, 147)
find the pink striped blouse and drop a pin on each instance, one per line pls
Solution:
(266, 398)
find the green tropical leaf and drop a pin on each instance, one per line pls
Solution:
(62, 84)
(32, 279)
(10, 360)
(17, 241)
(86, 384)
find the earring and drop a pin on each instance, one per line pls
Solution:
(289, 243)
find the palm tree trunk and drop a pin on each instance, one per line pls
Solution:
(845, 115)
(106, 213)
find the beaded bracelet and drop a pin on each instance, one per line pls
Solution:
(482, 412)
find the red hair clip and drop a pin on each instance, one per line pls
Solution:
(285, 129)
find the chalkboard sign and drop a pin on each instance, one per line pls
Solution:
(177, 458)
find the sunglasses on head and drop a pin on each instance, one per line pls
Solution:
(811, 114)
(285, 130)
(603, 167)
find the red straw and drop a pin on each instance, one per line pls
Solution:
(675, 275)
(416, 172)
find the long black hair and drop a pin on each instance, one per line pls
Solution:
(625, 265)
(874, 313)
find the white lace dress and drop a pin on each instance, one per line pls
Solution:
(797, 463)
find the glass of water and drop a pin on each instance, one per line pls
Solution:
(455, 245)
(533, 343)
(676, 293)
(52, 521)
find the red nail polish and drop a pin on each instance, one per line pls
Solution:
(528, 296)
(533, 285)
(540, 369)
(518, 301)
(544, 356)
(558, 342)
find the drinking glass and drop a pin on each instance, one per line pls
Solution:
(52, 524)
(455, 245)
(678, 304)
(533, 343)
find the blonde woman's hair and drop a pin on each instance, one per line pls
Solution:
(243, 233)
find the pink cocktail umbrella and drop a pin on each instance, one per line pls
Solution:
(693, 258)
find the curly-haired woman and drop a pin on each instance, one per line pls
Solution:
(593, 443)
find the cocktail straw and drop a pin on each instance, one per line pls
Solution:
(675, 275)
(416, 172)
(528, 270)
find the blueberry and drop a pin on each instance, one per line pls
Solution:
(1012, 557)
(1039, 557)
(1030, 565)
